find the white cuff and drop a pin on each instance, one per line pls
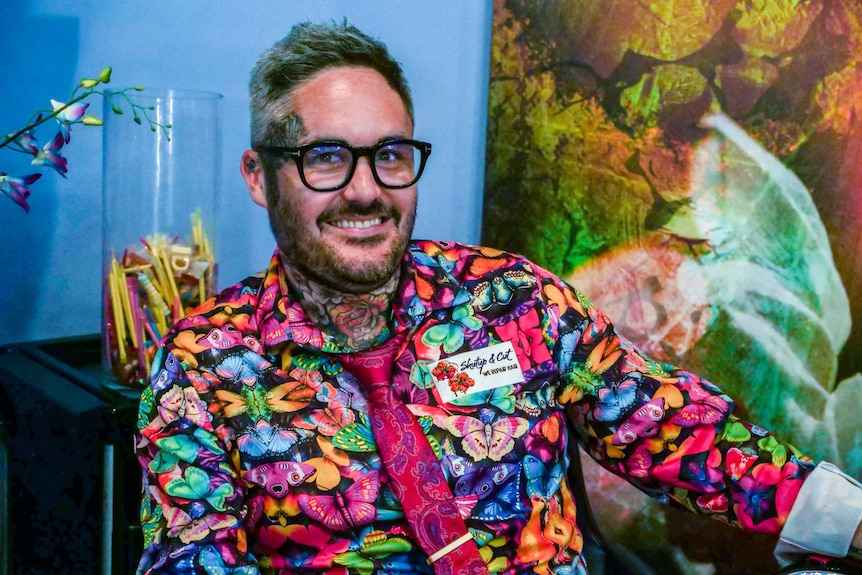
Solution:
(824, 516)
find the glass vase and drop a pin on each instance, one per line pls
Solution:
(161, 180)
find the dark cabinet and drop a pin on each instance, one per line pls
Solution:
(69, 484)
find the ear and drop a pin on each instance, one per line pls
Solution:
(252, 173)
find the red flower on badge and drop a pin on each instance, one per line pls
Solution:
(461, 382)
(444, 370)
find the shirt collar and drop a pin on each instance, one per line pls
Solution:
(428, 284)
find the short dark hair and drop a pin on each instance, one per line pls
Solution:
(306, 50)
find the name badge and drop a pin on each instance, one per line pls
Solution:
(475, 371)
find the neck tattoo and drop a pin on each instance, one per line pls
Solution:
(356, 320)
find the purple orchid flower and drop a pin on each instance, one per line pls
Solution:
(69, 116)
(27, 141)
(49, 155)
(16, 188)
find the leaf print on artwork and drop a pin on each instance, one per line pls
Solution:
(484, 437)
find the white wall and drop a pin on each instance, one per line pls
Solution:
(51, 258)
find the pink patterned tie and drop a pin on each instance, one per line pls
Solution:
(416, 475)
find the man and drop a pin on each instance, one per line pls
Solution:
(263, 451)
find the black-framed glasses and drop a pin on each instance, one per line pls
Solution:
(328, 166)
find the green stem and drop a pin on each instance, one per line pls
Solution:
(8, 139)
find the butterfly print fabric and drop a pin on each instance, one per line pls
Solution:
(259, 457)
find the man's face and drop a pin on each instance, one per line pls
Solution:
(352, 239)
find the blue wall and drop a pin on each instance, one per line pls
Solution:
(51, 258)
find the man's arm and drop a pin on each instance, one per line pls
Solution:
(192, 502)
(696, 452)
(826, 517)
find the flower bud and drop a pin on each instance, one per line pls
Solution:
(105, 75)
(89, 83)
(89, 120)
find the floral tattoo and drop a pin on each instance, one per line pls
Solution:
(356, 321)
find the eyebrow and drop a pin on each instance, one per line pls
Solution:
(337, 140)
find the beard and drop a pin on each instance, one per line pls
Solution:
(322, 261)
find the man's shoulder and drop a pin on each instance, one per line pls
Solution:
(232, 309)
(483, 260)
(454, 251)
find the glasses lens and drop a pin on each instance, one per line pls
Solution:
(396, 163)
(327, 166)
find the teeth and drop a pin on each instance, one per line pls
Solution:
(359, 225)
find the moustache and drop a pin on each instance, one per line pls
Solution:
(348, 209)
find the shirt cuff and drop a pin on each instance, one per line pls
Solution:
(824, 517)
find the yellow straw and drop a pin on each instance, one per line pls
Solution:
(169, 274)
(159, 307)
(163, 283)
(115, 309)
(123, 287)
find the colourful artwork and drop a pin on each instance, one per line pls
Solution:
(692, 166)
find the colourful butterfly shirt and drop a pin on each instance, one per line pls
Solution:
(258, 455)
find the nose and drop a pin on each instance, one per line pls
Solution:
(362, 187)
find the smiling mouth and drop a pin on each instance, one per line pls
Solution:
(354, 224)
